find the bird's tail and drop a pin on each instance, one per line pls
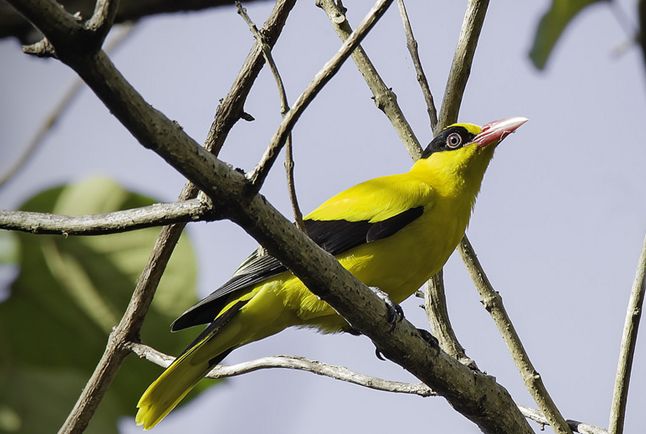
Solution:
(171, 387)
(207, 350)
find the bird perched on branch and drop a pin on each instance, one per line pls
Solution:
(393, 233)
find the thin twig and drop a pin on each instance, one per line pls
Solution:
(384, 97)
(291, 362)
(462, 61)
(438, 317)
(492, 302)
(291, 186)
(102, 18)
(159, 214)
(627, 351)
(284, 108)
(335, 372)
(412, 45)
(57, 113)
(229, 111)
(575, 425)
(257, 177)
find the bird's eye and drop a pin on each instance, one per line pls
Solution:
(454, 140)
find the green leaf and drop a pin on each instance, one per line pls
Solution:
(552, 25)
(68, 295)
(8, 248)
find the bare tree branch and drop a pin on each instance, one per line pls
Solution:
(331, 67)
(284, 108)
(101, 20)
(492, 302)
(335, 372)
(290, 362)
(291, 183)
(628, 343)
(13, 24)
(476, 396)
(438, 316)
(384, 97)
(462, 61)
(159, 214)
(412, 45)
(229, 111)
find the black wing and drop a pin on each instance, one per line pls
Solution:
(334, 236)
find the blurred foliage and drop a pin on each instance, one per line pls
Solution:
(8, 248)
(67, 296)
(551, 26)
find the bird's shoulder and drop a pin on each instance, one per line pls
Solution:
(376, 199)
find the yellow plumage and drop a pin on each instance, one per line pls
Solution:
(405, 226)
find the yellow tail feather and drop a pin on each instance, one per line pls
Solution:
(180, 377)
(169, 389)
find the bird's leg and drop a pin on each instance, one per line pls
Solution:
(395, 312)
(428, 337)
(395, 315)
(425, 334)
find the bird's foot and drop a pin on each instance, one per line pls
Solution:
(395, 312)
(428, 337)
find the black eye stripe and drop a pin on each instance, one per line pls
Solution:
(440, 142)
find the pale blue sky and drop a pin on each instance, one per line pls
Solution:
(558, 224)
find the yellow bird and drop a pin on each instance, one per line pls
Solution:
(393, 233)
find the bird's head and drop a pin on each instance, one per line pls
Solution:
(464, 150)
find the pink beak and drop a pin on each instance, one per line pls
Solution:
(495, 132)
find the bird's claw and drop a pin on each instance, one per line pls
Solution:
(428, 337)
(395, 312)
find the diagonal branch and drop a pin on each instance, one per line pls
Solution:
(492, 302)
(284, 108)
(229, 111)
(412, 45)
(438, 316)
(257, 177)
(628, 343)
(159, 214)
(101, 20)
(384, 97)
(462, 61)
